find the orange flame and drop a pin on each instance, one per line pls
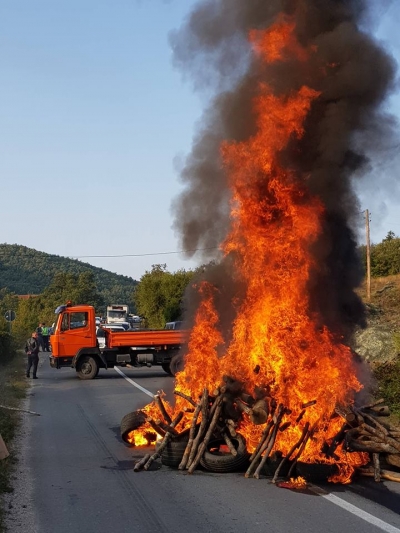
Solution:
(275, 221)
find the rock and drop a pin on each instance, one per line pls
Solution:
(376, 343)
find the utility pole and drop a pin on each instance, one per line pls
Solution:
(368, 255)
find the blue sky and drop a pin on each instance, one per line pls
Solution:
(93, 119)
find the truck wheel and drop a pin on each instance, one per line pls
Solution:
(130, 422)
(177, 364)
(88, 367)
(166, 368)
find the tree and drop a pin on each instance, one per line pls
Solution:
(158, 297)
(77, 288)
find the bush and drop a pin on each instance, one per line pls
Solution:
(7, 348)
(388, 379)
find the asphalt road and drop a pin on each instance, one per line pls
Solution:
(82, 477)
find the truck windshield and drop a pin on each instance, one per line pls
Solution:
(116, 314)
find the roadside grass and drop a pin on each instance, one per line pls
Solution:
(13, 386)
(388, 385)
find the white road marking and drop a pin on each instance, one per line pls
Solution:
(371, 519)
(133, 382)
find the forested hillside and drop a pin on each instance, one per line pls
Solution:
(26, 271)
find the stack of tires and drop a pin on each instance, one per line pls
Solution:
(216, 458)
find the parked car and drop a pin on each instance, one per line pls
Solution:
(174, 325)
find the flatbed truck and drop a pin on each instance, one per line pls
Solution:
(74, 344)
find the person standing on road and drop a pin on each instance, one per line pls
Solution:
(32, 351)
(39, 336)
(45, 337)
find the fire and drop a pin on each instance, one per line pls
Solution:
(277, 343)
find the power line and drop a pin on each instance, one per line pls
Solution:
(141, 255)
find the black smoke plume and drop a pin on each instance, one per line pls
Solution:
(212, 48)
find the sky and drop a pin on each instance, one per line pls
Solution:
(94, 120)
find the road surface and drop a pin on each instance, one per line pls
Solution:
(80, 478)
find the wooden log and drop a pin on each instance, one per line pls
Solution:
(375, 422)
(346, 413)
(370, 447)
(280, 413)
(291, 451)
(380, 410)
(229, 443)
(377, 467)
(247, 398)
(337, 439)
(231, 427)
(158, 429)
(160, 404)
(264, 435)
(164, 442)
(186, 453)
(385, 474)
(373, 404)
(308, 404)
(262, 445)
(244, 408)
(393, 460)
(167, 428)
(211, 427)
(233, 386)
(259, 412)
(20, 410)
(309, 434)
(202, 429)
(302, 413)
(185, 397)
(384, 438)
(140, 464)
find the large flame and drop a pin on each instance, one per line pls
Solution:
(276, 343)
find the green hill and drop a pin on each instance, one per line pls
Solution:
(26, 271)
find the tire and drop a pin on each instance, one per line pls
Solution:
(166, 368)
(130, 422)
(177, 364)
(215, 460)
(173, 452)
(88, 367)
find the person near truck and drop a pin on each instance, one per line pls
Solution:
(32, 351)
(39, 336)
(45, 337)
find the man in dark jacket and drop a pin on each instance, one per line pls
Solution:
(32, 351)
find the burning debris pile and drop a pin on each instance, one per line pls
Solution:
(269, 183)
(211, 437)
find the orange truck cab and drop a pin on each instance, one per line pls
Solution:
(74, 344)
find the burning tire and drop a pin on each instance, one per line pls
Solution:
(130, 422)
(173, 452)
(177, 364)
(218, 459)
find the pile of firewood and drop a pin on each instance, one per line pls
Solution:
(221, 411)
(365, 431)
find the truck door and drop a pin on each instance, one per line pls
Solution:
(74, 333)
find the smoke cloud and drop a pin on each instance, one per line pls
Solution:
(353, 75)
